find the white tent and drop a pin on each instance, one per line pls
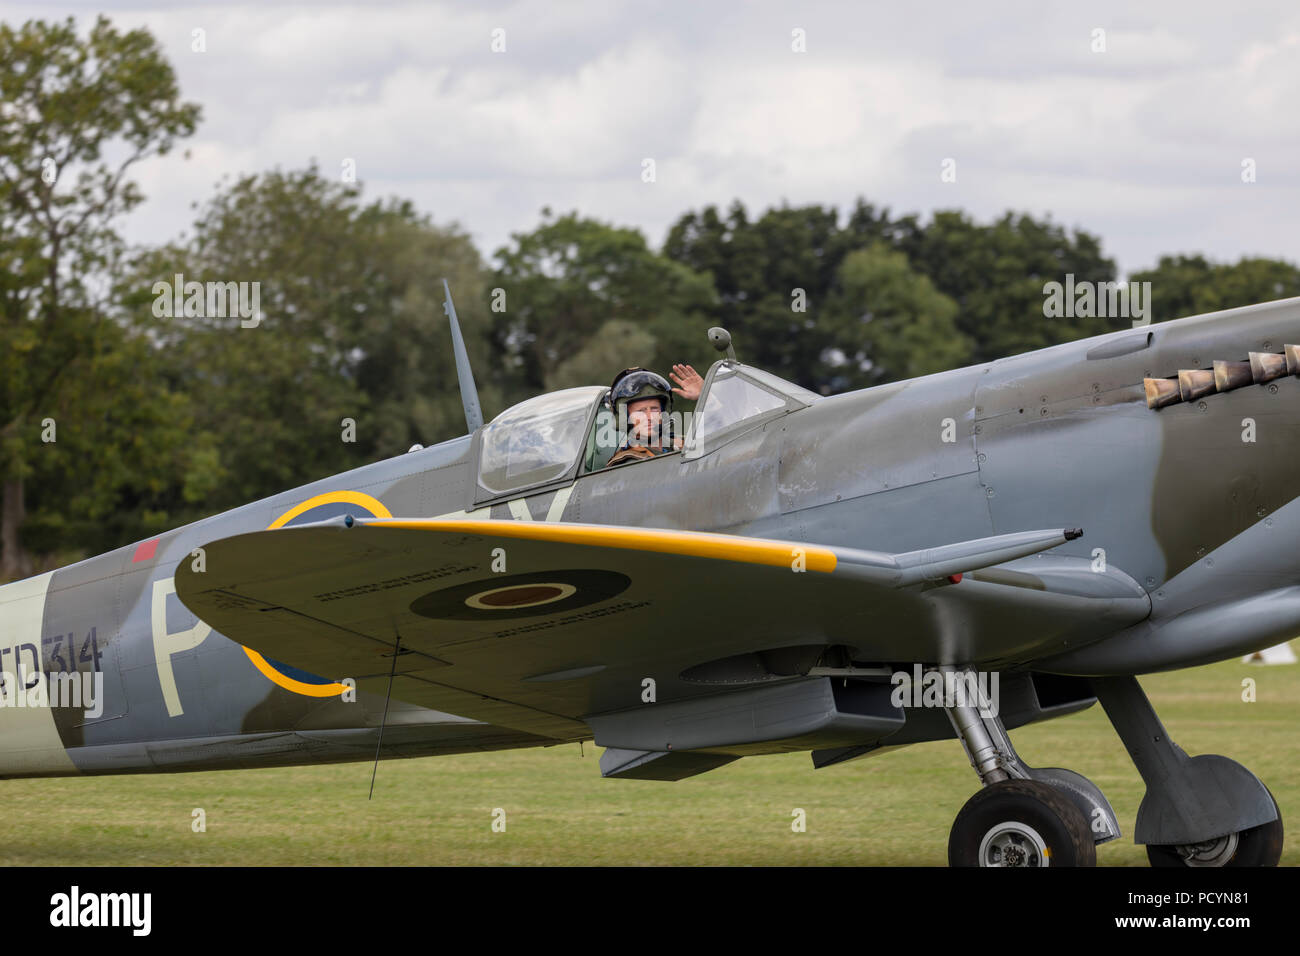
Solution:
(1280, 654)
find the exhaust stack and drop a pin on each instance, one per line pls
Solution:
(1266, 366)
(1225, 376)
(1193, 383)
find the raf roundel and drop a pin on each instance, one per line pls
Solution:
(521, 595)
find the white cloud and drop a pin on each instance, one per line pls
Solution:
(1141, 144)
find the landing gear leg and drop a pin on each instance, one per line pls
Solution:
(1198, 811)
(1024, 816)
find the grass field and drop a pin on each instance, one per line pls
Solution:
(891, 810)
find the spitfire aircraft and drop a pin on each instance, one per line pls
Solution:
(1059, 521)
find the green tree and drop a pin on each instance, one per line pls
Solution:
(123, 462)
(75, 116)
(351, 327)
(996, 274)
(618, 344)
(1185, 285)
(564, 281)
(888, 322)
(774, 275)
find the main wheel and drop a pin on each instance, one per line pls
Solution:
(1021, 823)
(1258, 846)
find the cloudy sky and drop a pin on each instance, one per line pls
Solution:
(1142, 143)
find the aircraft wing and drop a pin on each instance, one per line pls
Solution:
(538, 626)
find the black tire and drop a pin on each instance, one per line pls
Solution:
(1002, 811)
(1258, 846)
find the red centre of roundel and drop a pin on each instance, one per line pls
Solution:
(525, 594)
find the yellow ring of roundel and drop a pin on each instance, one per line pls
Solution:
(373, 505)
(377, 510)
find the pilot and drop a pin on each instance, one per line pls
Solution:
(649, 402)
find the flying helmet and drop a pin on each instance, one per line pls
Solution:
(634, 383)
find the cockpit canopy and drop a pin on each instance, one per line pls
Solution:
(547, 438)
(538, 440)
